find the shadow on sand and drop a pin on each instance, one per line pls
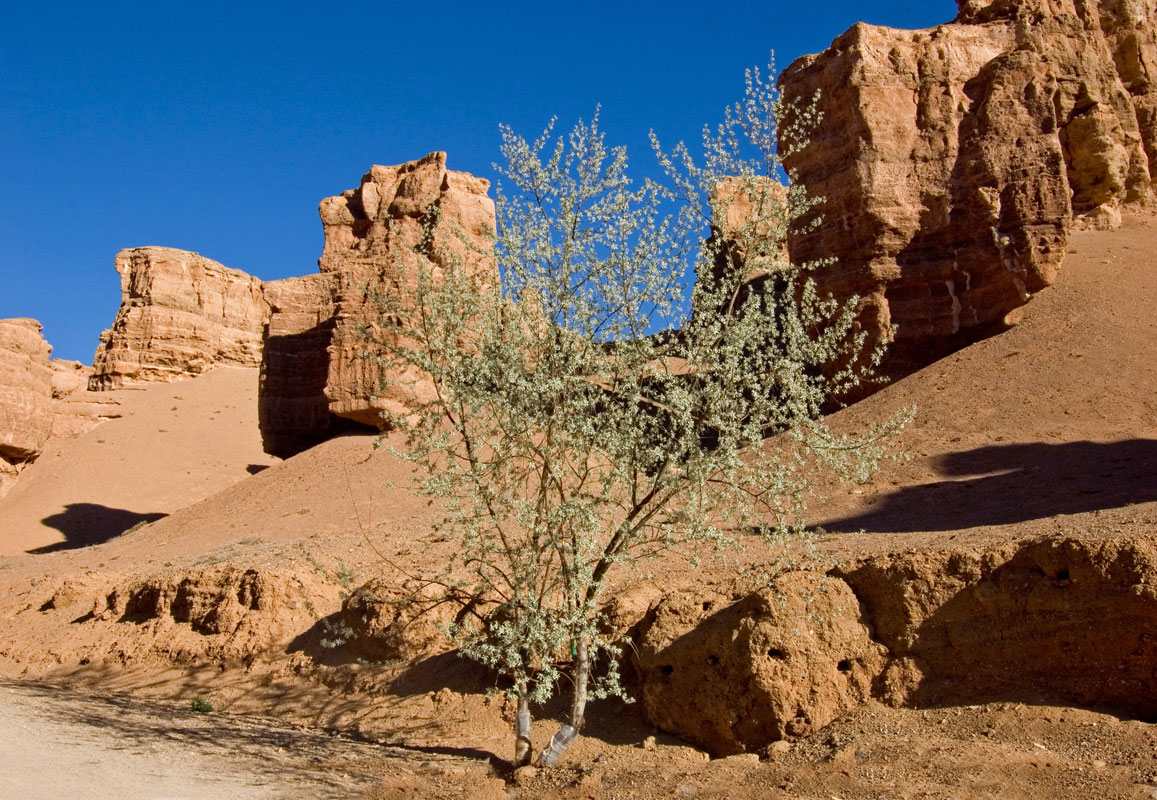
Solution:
(1016, 483)
(88, 524)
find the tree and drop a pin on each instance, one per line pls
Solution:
(596, 408)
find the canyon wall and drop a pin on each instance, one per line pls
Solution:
(40, 397)
(954, 161)
(372, 237)
(181, 314)
(25, 395)
(1065, 619)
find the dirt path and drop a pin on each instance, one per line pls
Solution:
(56, 743)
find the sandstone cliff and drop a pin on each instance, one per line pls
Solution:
(292, 409)
(40, 397)
(25, 395)
(370, 238)
(180, 315)
(954, 161)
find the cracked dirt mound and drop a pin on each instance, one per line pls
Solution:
(1041, 435)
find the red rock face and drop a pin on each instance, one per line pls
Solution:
(370, 238)
(39, 397)
(26, 410)
(954, 161)
(181, 314)
(293, 411)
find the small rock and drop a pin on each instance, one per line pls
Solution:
(782, 747)
(649, 743)
(524, 775)
(741, 760)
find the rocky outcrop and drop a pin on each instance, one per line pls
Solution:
(292, 409)
(1063, 617)
(953, 161)
(181, 314)
(735, 674)
(40, 397)
(26, 409)
(1066, 619)
(372, 238)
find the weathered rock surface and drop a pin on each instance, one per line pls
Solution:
(25, 389)
(26, 409)
(1067, 619)
(370, 238)
(733, 676)
(382, 621)
(293, 411)
(181, 314)
(40, 397)
(952, 161)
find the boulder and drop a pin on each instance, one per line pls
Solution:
(953, 161)
(734, 675)
(181, 314)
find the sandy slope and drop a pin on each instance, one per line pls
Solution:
(1051, 422)
(174, 445)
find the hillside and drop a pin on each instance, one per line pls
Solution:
(1046, 430)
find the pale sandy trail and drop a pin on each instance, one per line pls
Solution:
(60, 744)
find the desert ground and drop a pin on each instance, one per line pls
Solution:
(117, 547)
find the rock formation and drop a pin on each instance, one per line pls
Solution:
(180, 315)
(735, 674)
(1065, 619)
(292, 409)
(370, 238)
(40, 397)
(952, 161)
(26, 411)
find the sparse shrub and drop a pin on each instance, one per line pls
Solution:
(602, 405)
(201, 705)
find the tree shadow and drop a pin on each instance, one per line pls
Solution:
(1016, 483)
(88, 524)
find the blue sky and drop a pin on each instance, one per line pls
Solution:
(218, 127)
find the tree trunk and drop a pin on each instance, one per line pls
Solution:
(569, 732)
(522, 744)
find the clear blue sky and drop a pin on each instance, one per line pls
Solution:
(218, 127)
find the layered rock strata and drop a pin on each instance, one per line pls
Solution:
(292, 409)
(953, 161)
(40, 397)
(373, 235)
(181, 314)
(26, 411)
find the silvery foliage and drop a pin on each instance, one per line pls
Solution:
(597, 408)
